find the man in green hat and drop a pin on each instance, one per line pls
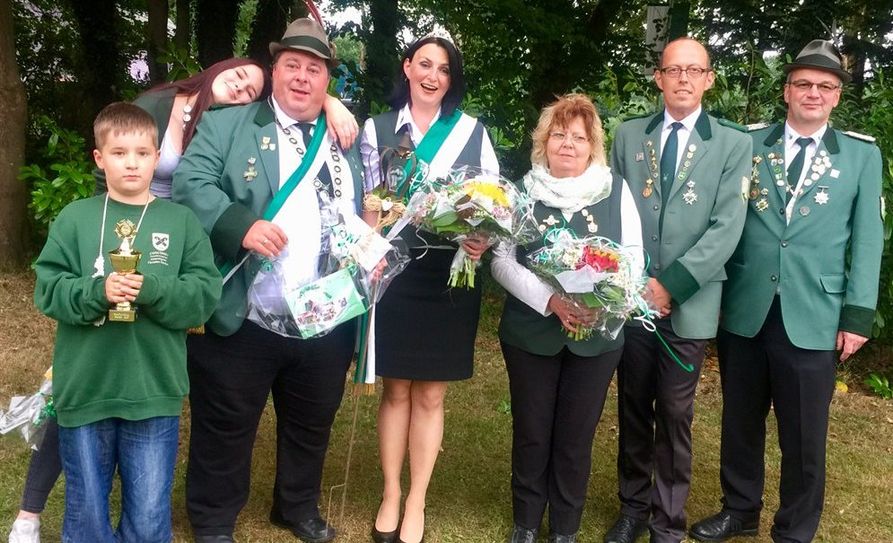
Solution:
(244, 163)
(686, 170)
(801, 294)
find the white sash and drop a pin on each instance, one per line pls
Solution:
(452, 146)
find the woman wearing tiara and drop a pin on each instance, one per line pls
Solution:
(419, 312)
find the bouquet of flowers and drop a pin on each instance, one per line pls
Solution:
(471, 204)
(597, 274)
(356, 266)
(27, 414)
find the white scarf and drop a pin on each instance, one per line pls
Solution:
(569, 194)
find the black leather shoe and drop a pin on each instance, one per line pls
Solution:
(723, 526)
(219, 538)
(626, 530)
(314, 530)
(522, 535)
(311, 530)
(558, 538)
(383, 537)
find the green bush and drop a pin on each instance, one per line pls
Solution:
(872, 114)
(62, 175)
(880, 385)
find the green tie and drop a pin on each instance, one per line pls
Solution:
(668, 168)
(323, 176)
(668, 161)
(796, 167)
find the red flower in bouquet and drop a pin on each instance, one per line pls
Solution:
(600, 260)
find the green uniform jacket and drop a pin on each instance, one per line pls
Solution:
(211, 180)
(702, 222)
(131, 370)
(806, 261)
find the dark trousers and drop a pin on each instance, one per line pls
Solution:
(656, 407)
(556, 404)
(43, 471)
(769, 370)
(230, 380)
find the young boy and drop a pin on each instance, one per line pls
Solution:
(118, 385)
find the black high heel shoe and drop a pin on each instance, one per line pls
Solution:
(384, 537)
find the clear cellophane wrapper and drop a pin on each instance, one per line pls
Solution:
(28, 414)
(356, 265)
(600, 276)
(472, 203)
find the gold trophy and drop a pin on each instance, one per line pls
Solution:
(124, 261)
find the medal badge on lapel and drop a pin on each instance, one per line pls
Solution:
(689, 196)
(757, 193)
(251, 172)
(776, 164)
(821, 163)
(652, 170)
(266, 144)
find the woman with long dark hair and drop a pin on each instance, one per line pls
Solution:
(177, 108)
(418, 311)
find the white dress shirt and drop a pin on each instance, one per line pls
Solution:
(682, 135)
(791, 148)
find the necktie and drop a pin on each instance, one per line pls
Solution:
(305, 131)
(668, 162)
(323, 176)
(796, 167)
(668, 169)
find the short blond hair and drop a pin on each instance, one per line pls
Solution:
(123, 118)
(561, 113)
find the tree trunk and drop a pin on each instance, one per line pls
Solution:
(215, 27)
(184, 26)
(13, 118)
(298, 10)
(157, 30)
(102, 64)
(381, 54)
(269, 25)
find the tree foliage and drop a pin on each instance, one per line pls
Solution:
(76, 56)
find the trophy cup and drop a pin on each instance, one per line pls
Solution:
(124, 261)
(398, 166)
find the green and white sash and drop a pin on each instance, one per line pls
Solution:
(436, 154)
(439, 150)
(310, 165)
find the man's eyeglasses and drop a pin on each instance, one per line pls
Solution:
(693, 72)
(824, 87)
(576, 139)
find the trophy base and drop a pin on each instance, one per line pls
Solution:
(122, 315)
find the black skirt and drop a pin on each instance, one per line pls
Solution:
(425, 330)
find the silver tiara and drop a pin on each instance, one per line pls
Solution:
(438, 32)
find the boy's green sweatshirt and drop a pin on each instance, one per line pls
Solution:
(136, 370)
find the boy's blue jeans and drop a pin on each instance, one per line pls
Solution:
(144, 452)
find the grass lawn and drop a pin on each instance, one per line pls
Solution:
(469, 499)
